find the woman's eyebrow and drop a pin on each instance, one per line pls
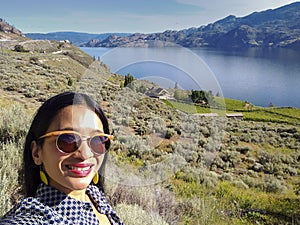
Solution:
(92, 131)
(68, 128)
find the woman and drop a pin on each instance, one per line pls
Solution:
(64, 159)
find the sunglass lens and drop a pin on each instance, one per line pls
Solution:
(68, 142)
(97, 143)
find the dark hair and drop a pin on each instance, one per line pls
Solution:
(40, 125)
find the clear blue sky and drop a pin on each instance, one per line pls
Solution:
(144, 16)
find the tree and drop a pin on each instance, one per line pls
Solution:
(142, 89)
(128, 79)
(70, 81)
(176, 86)
(271, 104)
(19, 48)
(198, 96)
(181, 95)
(201, 97)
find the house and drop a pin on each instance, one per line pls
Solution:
(159, 93)
(65, 41)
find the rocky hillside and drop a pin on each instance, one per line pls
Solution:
(271, 28)
(77, 38)
(243, 171)
(8, 31)
(206, 170)
(33, 70)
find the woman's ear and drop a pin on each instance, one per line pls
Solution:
(36, 153)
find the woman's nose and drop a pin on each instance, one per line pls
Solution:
(85, 150)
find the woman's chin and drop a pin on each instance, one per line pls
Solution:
(71, 184)
(79, 184)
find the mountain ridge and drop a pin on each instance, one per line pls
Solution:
(278, 27)
(274, 28)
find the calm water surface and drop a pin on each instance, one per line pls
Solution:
(261, 76)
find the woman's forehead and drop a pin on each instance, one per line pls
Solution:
(76, 117)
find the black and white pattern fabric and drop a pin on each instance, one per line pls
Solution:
(51, 206)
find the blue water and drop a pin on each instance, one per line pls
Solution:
(260, 76)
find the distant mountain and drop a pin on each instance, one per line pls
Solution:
(76, 38)
(8, 31)
(271, 28)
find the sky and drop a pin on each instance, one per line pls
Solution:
(129, 16)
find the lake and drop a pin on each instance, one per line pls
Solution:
(260, 76)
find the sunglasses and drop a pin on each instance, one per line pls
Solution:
(70, 141)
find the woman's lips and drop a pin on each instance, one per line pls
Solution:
(80, 169)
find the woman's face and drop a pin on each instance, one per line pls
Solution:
(74, 171)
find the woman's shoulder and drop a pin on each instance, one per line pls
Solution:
(29, 211)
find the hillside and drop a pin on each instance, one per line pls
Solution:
(9, 32)
(77, 38)
(33, 70)
(271, 28)
(168, 166)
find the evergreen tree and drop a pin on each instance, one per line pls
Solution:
(201, 96)
(176, 86)
(128, 79)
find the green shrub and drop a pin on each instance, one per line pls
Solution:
(70, 81)
(156, 201)
(34, 60)
(14, 122)
(134, 214)
(170, 132)
(274, 185)
(11, 161)
(20, 48)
